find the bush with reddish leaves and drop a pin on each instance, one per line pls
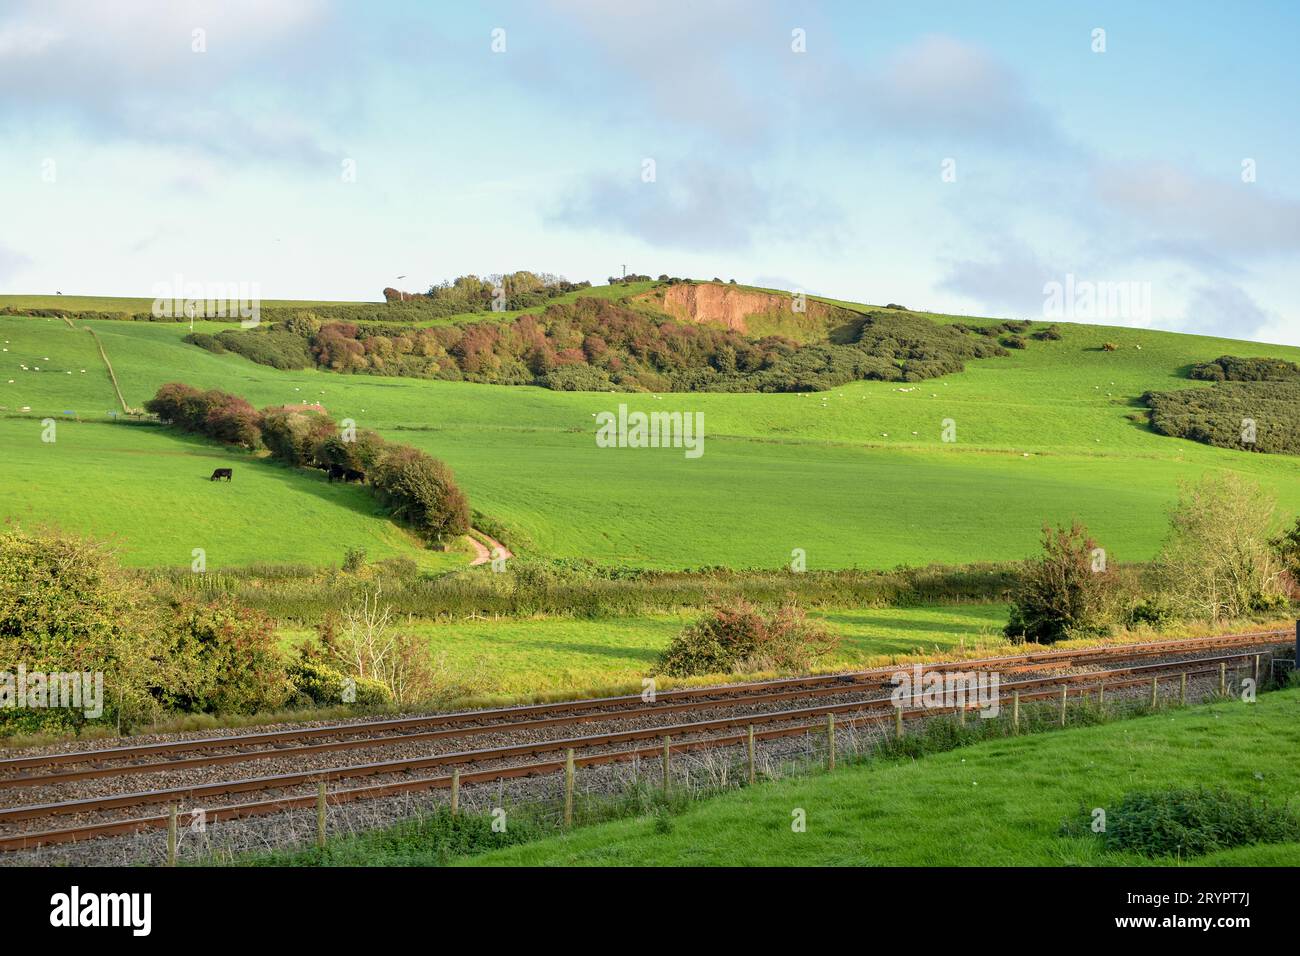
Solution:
(737, 637)
(213, 413)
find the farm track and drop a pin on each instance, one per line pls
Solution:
(293, 761)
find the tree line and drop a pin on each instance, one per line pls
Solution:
(415, 487)
(600, 345)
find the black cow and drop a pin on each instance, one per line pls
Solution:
(221, 473)
(339, 473)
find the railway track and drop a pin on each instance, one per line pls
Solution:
(534, 716)
(868, 693)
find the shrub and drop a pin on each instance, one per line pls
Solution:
(1258, 416)
(303, 324)
(737, 637)
(66, 606)
(315, 683)
(367, 647)
(223, 659)
(293, 435)
(171, 402)
(1230, 368)
(1060, 595)
(577, 378)
(232, 420)
(213, 413)
(1287, 548)
(205, 341)
(1150, 612)
(1187, 822)
(277, 348)
(1015, 342)
(354, 559)
(421, 491)
(1219, 562)
(361, 454)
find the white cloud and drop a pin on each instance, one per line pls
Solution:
(1225, 310)
(1010, 279)
(11, 262)
(943, 86)
(698, 205)
(1197, 217)
(128, 70)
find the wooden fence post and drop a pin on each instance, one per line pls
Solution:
(1064, 691)
(830, 741)
(568, 788)
(749, 746)
(1223, 680)
(961, 715)
(898, 723)
(320, 814)
(171, 835)
(667, 766)
(1182, 689)
(1015, 711)
(455, 791)
(1155, 692)
(1101, 698)
(1256, 671)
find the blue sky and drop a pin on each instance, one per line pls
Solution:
(951, 156)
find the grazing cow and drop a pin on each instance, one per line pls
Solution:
(339, 473)
(221, 473)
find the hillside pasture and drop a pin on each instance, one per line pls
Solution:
(857, 476)
(147, 490)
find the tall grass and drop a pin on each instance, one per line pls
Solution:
(307, 595)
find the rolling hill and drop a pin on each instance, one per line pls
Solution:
(857, 476)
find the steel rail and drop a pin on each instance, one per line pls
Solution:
(406, 765)
(366, 743)
(840, 681)
(22, 841)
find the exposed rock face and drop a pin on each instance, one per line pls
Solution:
(755, 313)
(732, 307)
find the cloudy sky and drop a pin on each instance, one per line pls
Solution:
(953, 156)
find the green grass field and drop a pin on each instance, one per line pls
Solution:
(115, 303)
(998, 803)
(146, 489)
(519, 657)
(858, 476)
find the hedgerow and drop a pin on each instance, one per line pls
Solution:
(416, 487)
(599, 345)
